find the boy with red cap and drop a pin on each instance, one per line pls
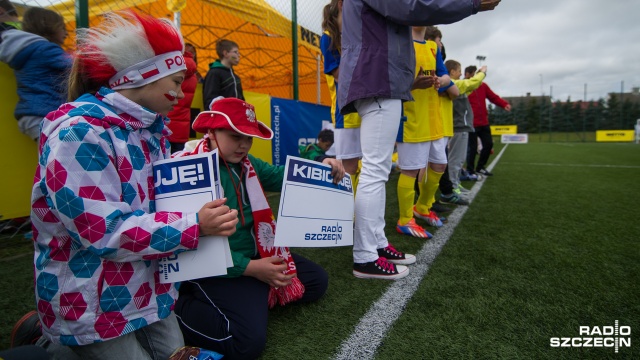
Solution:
(228, 314)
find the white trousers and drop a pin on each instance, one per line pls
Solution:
(380, 122)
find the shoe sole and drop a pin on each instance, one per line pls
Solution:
(405, 261)
(397, 276)
(452, 202)
(19, 323)
(415, 234)
(429, 221)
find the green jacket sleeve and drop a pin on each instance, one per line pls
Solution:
(312, 152)
(270, 176)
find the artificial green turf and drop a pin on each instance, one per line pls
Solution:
(542, 250)
(16, 281)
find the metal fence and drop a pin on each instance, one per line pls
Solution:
(545, 119)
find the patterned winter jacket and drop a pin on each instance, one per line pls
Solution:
(378, 58)
(97, 235)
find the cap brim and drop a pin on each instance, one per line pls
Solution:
(201, 125)
(262, 132)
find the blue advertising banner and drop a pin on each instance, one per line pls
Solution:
(294, 123)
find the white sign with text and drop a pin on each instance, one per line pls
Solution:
(185, 184)
(314, 212)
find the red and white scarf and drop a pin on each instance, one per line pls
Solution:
(264, 226)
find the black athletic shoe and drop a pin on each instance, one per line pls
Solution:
(396, 257)
(439, 208)
(380, 269)
(484, 172)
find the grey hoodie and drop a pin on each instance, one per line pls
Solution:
(13, 41)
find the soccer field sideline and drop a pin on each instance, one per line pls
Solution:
(374, 325)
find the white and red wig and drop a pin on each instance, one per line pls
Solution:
(130, 50)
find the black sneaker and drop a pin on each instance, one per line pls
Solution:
(380, 269)
(439, 208)
(453, 199)
(26, 331)
(484, 172)
(396, 257)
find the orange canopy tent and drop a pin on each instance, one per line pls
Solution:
(262, 33)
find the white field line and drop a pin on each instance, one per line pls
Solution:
(372, 328)
(578, 165)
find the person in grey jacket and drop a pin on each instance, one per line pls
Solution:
(376, 74)
(462, 126)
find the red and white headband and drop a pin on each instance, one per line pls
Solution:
(148, 71)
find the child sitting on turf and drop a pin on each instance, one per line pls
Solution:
(96, 233)
(228, 314)
(317, 151)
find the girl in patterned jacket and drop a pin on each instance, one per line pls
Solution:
(97, 235)
(228, 314)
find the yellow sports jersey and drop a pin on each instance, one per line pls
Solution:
(446, 112)
(331, 62)
(422, 120)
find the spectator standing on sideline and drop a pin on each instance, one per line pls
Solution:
(478, 100)
(8, 17)
(347, 127)
(450, 90)
(375, 78)
(97, 235)
(180, 116)
(220, 79)
(40, 66)
(421, 143)
(462, 126)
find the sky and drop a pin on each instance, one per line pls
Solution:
(550, 47)
(542, 46)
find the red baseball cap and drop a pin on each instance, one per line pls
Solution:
(232, 114)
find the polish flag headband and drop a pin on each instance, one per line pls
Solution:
(148, 71)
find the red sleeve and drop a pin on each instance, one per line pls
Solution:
(495, 98)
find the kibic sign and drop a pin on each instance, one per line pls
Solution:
(179, 176)
(166, 267)
(330, 233)
(314, 212)
(596, 337)
(305, 173)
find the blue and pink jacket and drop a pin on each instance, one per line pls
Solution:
(97, 235)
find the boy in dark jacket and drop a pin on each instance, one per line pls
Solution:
(220, 79)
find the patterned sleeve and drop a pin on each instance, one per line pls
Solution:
(91, 195)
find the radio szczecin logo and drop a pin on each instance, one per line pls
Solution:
(596, 337)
